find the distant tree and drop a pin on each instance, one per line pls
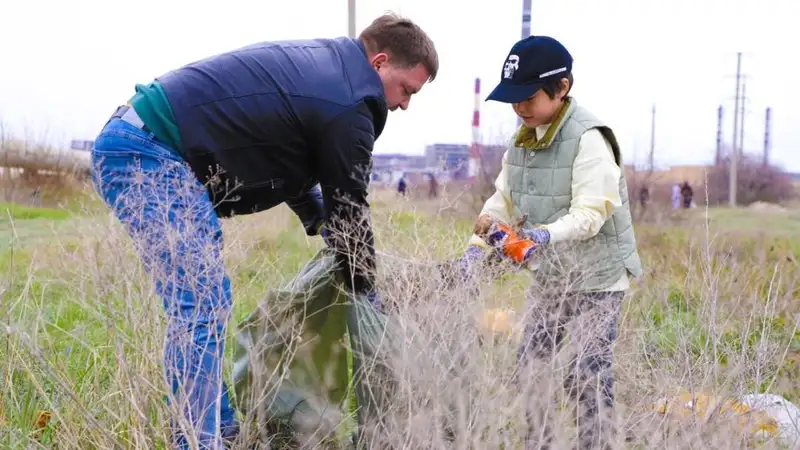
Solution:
(754, 182)
(491, 157)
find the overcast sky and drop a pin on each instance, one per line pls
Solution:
(68, 64)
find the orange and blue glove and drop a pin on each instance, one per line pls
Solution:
(462, 269)
(472, 255)
(518, 246)
(539, 235)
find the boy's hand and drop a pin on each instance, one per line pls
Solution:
(516, 244)
(460, 270)
(483, 225)
(472, 255)
(539, 235)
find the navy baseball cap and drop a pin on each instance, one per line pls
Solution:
(530, 64)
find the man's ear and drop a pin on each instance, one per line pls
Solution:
(379, 60)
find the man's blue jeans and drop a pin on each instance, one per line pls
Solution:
(177, 235)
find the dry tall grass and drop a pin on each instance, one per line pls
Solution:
(33, 171)
(82, 331)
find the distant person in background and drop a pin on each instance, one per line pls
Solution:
(241, 132)
(401, 186)
(676, 196)
(644, 197)
(433, 190)
(37, 196)
(688, 194)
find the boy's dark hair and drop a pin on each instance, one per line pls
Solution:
(403, 40)
(553, 85)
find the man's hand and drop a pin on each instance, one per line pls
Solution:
(326, 236)
(341, 161)
(375, 300)
(310, 209)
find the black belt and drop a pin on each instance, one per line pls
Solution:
(128, 114)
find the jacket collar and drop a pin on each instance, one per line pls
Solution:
(526, 137)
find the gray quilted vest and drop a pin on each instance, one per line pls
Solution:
(540, 180)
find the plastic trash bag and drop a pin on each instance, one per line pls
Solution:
(702, 406)
(291, 355)
(784, 412)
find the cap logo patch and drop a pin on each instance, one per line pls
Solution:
(511, 66)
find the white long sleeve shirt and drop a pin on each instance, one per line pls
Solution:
(595, 195)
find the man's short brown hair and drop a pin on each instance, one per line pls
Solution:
(403, 41)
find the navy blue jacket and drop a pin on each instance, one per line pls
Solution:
(263, 124)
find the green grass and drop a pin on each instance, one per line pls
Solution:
(14, 212)
(20, 224)
(779, 223)
(72, 310)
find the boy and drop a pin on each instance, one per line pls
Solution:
(563, 175)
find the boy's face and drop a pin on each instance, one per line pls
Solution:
(540, 109)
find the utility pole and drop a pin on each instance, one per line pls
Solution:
(526, 18)
(351, 18)
(526, 32)
(651, 158)
(767, 142)
(743, 101)
(718, 156)
(476, 171)
(734, 150)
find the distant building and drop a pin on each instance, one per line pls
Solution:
(397, 161)
(453, 158)
(388, 168)
(445, 161)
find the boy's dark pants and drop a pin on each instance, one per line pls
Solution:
(589, 382)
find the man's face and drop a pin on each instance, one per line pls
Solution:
(540, 109)
(399, 83)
